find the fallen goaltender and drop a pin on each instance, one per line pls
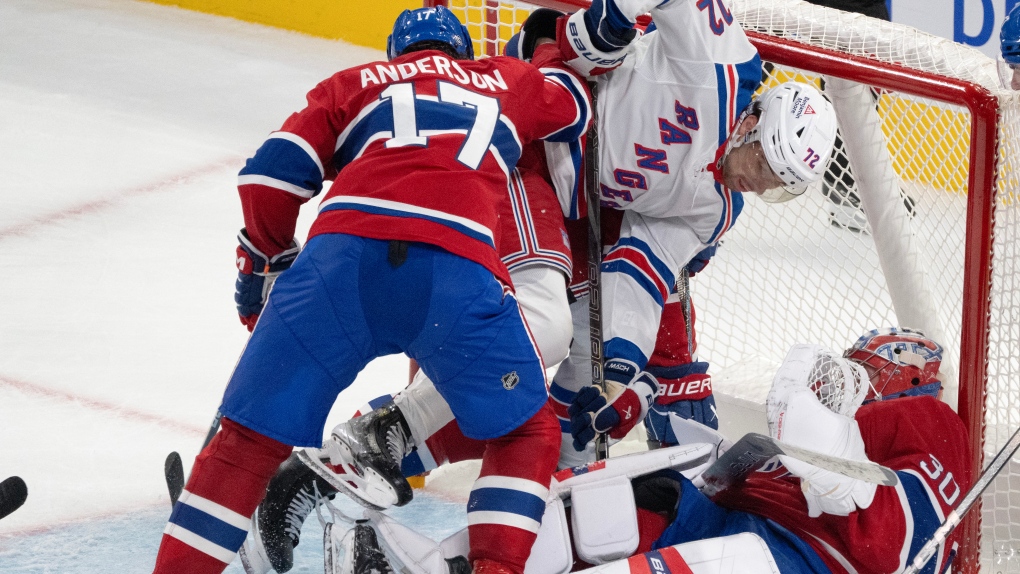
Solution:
(649, 511)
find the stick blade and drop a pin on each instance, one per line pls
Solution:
(746, 455)
(13, 493)
(861, 470)
(173, 470)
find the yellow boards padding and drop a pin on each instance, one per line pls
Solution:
(361, 22)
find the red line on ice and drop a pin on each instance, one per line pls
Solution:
(119, 411)
(72, 212)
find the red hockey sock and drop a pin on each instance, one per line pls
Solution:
(209, 522)
(508, 499)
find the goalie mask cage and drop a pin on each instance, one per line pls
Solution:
(929, 150)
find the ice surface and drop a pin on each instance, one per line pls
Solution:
(122, 128)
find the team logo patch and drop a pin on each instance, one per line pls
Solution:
(510, 380)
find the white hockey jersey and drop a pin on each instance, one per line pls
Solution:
(664, 117)
(668, 108)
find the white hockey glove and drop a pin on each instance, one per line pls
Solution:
(806, 423)
(814, 396)
(602, 35)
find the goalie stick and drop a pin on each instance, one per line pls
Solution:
(13, 493)
(753, 450)
(592, 193)
(956, 516)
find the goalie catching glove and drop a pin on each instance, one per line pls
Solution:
(797, 416)
(628, 392)
(256, 274)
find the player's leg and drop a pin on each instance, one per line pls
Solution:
(498, 395)
(541, 290)
(685, 387)
(638, 274)
(279, 395)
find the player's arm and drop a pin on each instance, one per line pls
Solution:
(286, 171)
(562, 95)
(597, 39)
(925, 442)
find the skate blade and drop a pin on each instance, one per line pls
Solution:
(371, 491)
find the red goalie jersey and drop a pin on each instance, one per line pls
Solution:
(471, 120)
(920, 438)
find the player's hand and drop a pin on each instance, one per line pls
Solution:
(700, 261)
(686, 391)
(809, 424)
(256, 274)
(625, 401)
(538, 28)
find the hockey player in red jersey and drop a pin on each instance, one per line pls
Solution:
(420, 150)
(795, 518)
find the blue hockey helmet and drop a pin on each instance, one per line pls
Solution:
(438, 24)
(1009, 36)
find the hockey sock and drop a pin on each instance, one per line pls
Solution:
(508, 500)
(210, 520)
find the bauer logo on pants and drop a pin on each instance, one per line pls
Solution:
(510, 380)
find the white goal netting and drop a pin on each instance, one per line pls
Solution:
(919, 229)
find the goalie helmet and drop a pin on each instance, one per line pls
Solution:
(797, 130)
(899, 362)
(438, 24)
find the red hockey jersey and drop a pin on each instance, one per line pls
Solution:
(920, 438)
(419, 148)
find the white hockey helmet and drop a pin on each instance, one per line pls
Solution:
(797, 130)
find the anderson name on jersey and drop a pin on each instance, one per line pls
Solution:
(470, 119)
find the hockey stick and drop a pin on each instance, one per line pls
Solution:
(173, 467)
(683, 290)
(753, 450)
(173, 471)
(13, 493)
(592, 193)
(956, 516)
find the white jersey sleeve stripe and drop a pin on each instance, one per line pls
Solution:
(275, 184)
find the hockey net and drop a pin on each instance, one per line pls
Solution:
(935, 148)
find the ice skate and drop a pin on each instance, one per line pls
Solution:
(362, 554)
(362, 458)
(292, 494)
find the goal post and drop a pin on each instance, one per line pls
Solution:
(915, 224)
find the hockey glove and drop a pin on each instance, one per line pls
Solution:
(256, 274)
(700, 261)
(540, 24)
(686, 391)
(806, 423)
(625, 401)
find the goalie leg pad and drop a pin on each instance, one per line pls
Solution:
(741, 553)
(604, 520)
